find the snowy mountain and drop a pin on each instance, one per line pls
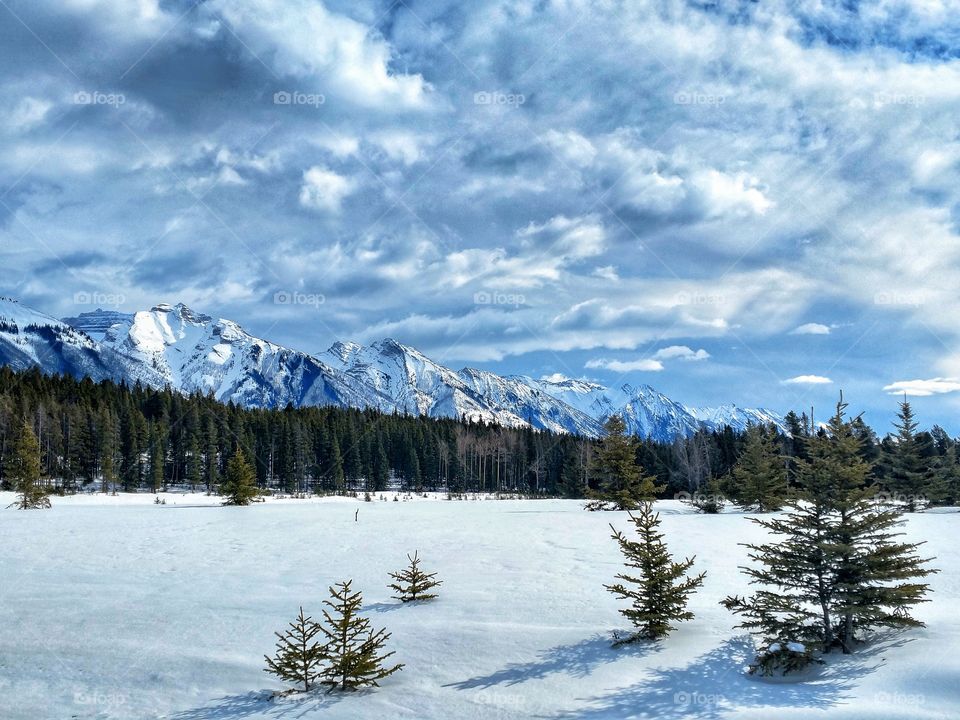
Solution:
(29, 338)
(172, 345)
(192, 352)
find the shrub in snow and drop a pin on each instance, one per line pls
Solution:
(298, 655)
(353, 654)
(412, 583)
(658, 594)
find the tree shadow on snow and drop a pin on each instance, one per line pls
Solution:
(383, 607)
(578, 659)
(716, 684)
(260, 704)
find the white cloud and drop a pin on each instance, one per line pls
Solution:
(924, 388)
(811, 329)
(306, 40)
(28, 113)
(681, 352)
(324, 189)
(808, 380)
(642, 365)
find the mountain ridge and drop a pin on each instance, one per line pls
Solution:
(173, 345)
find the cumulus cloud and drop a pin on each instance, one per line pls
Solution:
(681, 352)
(622, 366)
(324, 189)
(924, 388)
(808, 380)
(811, 329)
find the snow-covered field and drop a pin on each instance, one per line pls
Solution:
(118, 608)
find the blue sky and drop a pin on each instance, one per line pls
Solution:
(730, 201)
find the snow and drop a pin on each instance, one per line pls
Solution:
(113, 607)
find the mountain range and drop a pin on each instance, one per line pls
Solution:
(172, 345)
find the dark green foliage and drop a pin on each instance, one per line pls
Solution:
(298, 656)
(153, 439)
(836, 569)
(412, 583)
(759, 478)
(239, 485)
(909, 467)
(621, 482)
(353, 652)
(23, 469)
(658, 594)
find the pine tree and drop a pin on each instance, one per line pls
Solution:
(658, 595)
(909, 473)
(836, 570)
(239, 486)
(298, 656)
(414, 584)
(622, 484)
(759, 479)
(353, 652)
(22, 469)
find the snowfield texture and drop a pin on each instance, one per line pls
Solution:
(192, 352)
(112, 607)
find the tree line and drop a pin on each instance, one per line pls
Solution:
(114, 436)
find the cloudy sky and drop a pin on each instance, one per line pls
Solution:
(729, 200)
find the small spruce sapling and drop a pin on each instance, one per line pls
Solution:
(658, 595)
(299, 655)
(412, 583)
(353, 653)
